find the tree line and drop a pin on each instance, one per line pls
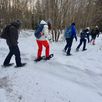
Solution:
(61, 13)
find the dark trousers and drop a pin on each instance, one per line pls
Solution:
(84, 43)
(14, 50)
(88, 38)
(68, 46)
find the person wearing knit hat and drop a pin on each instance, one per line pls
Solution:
(12, 42)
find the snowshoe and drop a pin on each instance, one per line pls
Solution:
(69, 54)
(38, 59)
(44, 58)
(8, 65)
(21, 65)
(84, 49)
(48, 58)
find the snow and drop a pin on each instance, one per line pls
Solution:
(2, 96)
(76, 78)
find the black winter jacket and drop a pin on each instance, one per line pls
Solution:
(83, 34)
(13, 34)
(94, 33)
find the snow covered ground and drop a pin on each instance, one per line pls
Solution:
(76, 78)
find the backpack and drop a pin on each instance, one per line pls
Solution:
(83, 35)
(38, 31)
(5, 31)
(68, 32)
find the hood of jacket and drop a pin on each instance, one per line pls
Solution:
(43, 22)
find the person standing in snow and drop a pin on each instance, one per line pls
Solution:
(12, 42)
(83, 36)
(69, 34)
(88, 34)
(94, 33)
(43, 41)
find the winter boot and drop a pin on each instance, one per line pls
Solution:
(21, 65)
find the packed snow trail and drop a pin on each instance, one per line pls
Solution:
(76, 78)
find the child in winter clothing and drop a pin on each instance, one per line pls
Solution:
(83, 36)
(70, 34)
(42, 41)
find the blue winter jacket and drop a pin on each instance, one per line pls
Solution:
(70, 32)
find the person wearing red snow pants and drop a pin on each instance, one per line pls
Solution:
(40, 47)
(42, 41)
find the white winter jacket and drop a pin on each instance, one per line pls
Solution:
(45, 31)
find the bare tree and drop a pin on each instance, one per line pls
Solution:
(61, 12)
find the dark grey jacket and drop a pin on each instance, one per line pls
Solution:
(13, 34)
